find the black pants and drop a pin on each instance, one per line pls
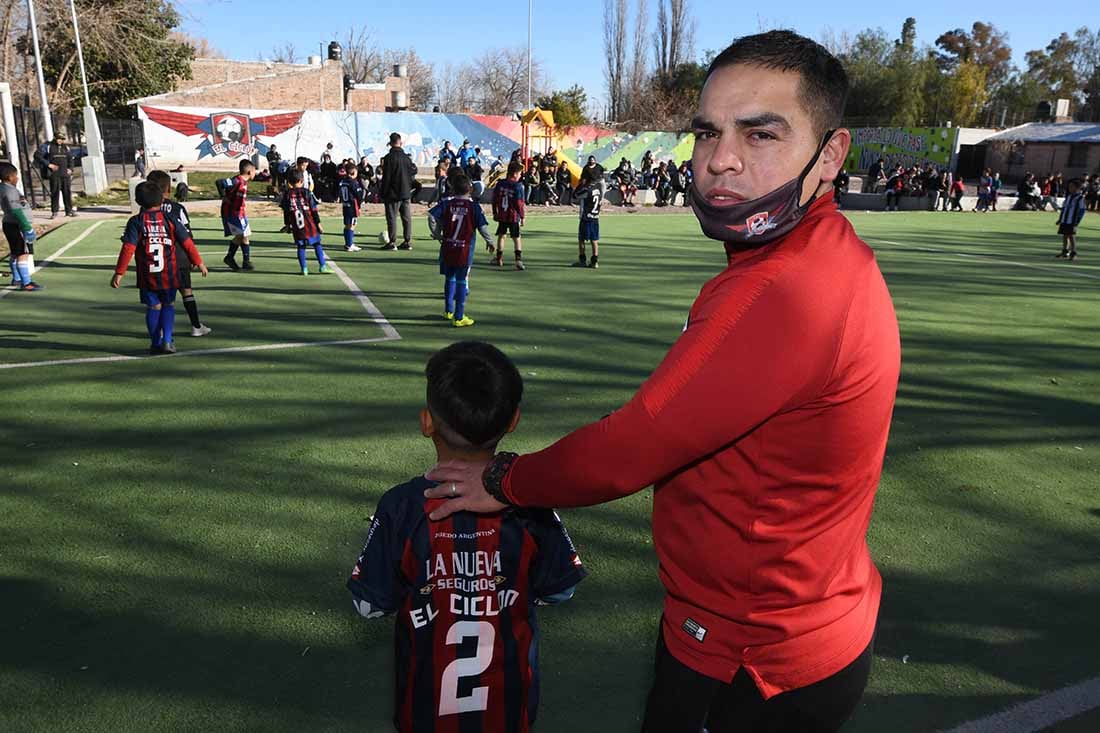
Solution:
(684, 701)
(393, 209)
(61, 186)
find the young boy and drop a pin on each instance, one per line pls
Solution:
(591, 194)
(176, 210)
(351, 196)
(18, 230)
(234, 219)
(456, 222)
(154, 236)
(302, 219)
(508, 212)
(464, 589)
(1073, 211)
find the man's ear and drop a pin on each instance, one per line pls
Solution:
(427, 426)
(834, 154)
(515, 421)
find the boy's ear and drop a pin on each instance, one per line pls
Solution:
(515, 421)
(427, 427)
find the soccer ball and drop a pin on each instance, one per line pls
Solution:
(383, 238)
(230, 128)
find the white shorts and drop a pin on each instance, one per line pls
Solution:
(238, 227)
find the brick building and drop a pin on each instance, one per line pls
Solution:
(1069, 148)
(268, 85)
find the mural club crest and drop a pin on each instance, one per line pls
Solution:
(232, 134)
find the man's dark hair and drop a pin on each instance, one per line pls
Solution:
(245, 165)
(394, 138)
(161, 180)
(148, 195)
(293, 176)
(513, 168)
(473, 393)
(823, 89)
(460, 184)
(6, 169)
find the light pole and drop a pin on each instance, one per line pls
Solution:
(93, 167)
(529, 4)
(80, 55)
(47, 121)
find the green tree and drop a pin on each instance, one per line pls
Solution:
(907, 74)
(983, 45)
(1054, 68)
(567, 105)
(866, 61)
(965, 92)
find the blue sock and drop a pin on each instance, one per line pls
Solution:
(320, 252)
(302, 256)
(349, 237)
(233, 247)
(167, 322)
(152, 323)
(449, 295)
(461, 290)
(246, 250)
(24, 269)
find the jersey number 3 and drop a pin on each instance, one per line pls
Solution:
(478, 699)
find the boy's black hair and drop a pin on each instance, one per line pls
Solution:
(460, 184)
(301, 159)
(148, 195)
(474, 391)
(823, 89)
(513, 168)
(161, 179)
(245, 165)
(6, 169)
(294, 176)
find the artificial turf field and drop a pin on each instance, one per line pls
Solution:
(176, 531)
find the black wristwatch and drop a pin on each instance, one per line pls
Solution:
(493, 475)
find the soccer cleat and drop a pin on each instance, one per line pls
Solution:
(31, 287)
(1061, 255)
(449, 316)
(498, 261)
(594, 264)
(305, 271)
(464, 322)
(353, 248)
(405, 246)
(519, 265)
(168, 348)
(201, 330)
(231, 263)
(580, 263)
(389, 247)
(247, 265)
(1072, 256)
(325, 270)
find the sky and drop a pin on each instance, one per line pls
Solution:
(568, 36)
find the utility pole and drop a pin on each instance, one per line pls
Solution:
(47, 121)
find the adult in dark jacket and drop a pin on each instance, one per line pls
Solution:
(398, 176)
(58, 162)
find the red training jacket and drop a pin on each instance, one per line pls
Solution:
(763, 432)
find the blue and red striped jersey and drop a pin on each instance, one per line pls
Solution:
(233, 202)
(153, 236)
(508, 206)
(464, 590)
(300, 213)
(459, 220)
(351, 194)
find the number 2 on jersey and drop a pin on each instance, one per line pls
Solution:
(478, 699)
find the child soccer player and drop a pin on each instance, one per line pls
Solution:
(591, 194)
(508, 212)
(456, 222)
(176, 210)
(464, 589)
(351, 197)
(154, 236)
(18, 229)
(234, 219)
(1073, 211)
(302, 220)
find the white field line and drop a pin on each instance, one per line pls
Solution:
(88, 257)
(58, 254)
(390, 333)
(1042, 712)
(1065, 268)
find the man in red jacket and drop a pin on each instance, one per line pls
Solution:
(764, 428)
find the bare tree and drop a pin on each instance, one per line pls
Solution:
(363, 60)
(421, 76)
(639, 59)
(614, 44)
(455, 89)
(502, 73)
(674, 39)
(285, 53)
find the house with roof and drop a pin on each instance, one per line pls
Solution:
(1042, 148)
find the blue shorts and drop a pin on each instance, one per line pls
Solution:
(589, 230)
(157, 297)
(308, 242)
(235, 227)
(350, 219)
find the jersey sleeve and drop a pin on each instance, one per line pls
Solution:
(437, 211)
(132, 233)
(479, 217)
(375, 580)
(557, 567)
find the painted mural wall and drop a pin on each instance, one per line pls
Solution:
(208, 138)
(909, 146)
